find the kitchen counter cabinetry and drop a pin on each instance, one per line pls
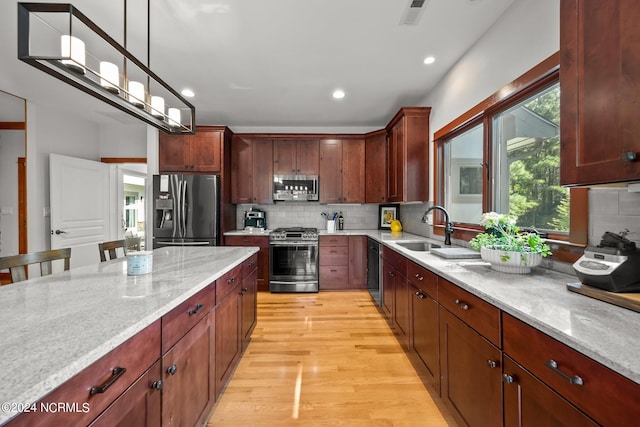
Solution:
(396, 287)
(375, 164)
(263, 255)
(200, 152)
(600, 69)
(296, 157)
(251, 171)
(249, 299)
(343, 262)
(342, 171)
(408, 155)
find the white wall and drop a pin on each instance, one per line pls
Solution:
(11, 147)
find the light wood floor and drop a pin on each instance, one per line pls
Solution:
(325, 359)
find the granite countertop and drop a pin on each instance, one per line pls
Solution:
(55, 326)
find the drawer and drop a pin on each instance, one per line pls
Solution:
(475, 312)
(334, 255)
(135, 355)
(226, 283)
(398, 261)
(606, 396)
(249, 265)
(178, 321)
(260, 241)
(334, 277)
(423, 279)
(334, 241)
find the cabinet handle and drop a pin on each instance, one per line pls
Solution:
(157, 385)
(463, 305)
(252, 264)
(391, 274)
(196, 309)
(232, 280)
(492, 363)
(419, 277)
(628, 156)
(420, 295)
(507, 379)
(553, 365)
(243, 291)
(171, 370)
(333, 252)
(115, 374)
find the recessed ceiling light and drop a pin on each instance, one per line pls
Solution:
(338, 94)
(188, 93)
(429, 60)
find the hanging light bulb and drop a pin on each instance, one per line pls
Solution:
(73, 48)
(109, 77)
(174, 117)
(157, 107)
(136, 93)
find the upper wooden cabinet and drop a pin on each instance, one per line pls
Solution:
(342, 170)
(375, 167)
(201, 152)
(599, 74)
(296, 157)
(251, 171)
(408, 155)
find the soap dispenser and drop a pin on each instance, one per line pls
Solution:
(340, 221)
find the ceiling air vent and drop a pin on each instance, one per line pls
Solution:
(414, 12)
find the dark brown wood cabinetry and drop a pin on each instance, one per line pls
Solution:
(251, 171)
(343, 262)
(263, 255)
(342, 171)
(375, 167)
(358, 262)
(228, 324)
(296, 157)
(249, 295)
(200, 152)
(599, 74)
(408, 155)
(396, 293)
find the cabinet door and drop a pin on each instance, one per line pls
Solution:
(424, 333)
(228, 346)
(173, 152)
(600, 69)
(358, 262)
(186, 390)
(376, 169)
(249, 295)
(263, 269)
(401, 308)
(471, 380)
(307, 157)
(138, 406)
(530, 403)
(241, 171)
(262, 171)
(395, 166)
(284, 157)
(353, 170)
(330, 171)
(388, 281)
(205, 152)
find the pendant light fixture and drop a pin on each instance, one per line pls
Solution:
(89, 59)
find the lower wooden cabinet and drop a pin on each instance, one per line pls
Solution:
(343, 262)
(471, 377)
(249, 294)
(228, 336)
(263, 255)
(528, 402)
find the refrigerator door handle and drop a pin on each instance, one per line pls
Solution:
(175, 184)
(184, 209)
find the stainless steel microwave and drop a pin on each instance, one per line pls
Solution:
(295, 187)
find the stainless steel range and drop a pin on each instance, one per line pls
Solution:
(293, 260)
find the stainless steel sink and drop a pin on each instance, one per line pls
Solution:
(418, 246)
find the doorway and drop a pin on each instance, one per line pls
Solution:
(133, 212)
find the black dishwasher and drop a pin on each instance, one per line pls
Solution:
(374, 266)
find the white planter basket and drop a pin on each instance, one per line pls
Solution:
(509, 261)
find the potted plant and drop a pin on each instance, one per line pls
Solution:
(506, 247)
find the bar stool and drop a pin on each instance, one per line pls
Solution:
(17, 264)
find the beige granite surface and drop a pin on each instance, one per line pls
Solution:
(53, 327)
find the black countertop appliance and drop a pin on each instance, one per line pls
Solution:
(613, 265)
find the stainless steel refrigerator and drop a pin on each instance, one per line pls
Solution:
(186, 210)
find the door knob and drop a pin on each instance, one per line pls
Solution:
(61, 232)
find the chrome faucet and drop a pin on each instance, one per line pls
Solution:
(448, 225)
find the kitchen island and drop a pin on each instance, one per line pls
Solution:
(55, 327)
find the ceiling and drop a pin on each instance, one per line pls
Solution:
(273, 65)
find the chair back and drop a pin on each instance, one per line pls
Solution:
(17, 264)
(110, 249)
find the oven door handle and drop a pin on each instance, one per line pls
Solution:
(293, 243)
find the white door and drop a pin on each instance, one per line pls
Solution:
(80, 195)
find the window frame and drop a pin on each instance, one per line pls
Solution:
(565, 247)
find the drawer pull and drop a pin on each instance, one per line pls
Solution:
(157, 385)
(195, 310)
(492, 363)
(243, 291)
(391, 274)
(419, 277)
(463, 305)
(333, 252)
(420, 295)
(115, 374)
(232, 280)
(553, 365)
(171, 370)
(252, 264)
(507, 379)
